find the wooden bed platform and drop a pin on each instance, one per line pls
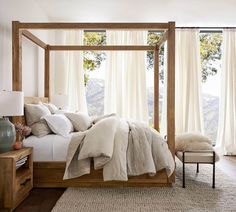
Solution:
(50, 174)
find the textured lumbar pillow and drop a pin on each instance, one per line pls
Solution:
(80, 121)
(34, 112)
(59, 124)
(40, 128)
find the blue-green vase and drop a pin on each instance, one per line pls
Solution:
(7, 135)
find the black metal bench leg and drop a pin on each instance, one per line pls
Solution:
(183, 170)
(214, 171)
(197, 167)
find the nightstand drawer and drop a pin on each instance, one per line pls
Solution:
(23, 190)
(23, 179)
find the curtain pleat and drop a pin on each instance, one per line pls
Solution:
(113, 101)
(68, 74)
(126, 91)
(226, 137)
(189, 116)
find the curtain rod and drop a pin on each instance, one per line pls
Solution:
(206, 28)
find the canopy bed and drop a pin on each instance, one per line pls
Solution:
(50, 173)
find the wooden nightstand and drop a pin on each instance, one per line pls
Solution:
(15, 183)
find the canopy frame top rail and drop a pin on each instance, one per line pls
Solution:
(93, 26)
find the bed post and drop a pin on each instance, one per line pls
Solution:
(156, 88)
(16, 61)
(16, 57)
(47, 72)
(171, 88)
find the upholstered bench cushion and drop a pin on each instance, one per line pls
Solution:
(191, 157)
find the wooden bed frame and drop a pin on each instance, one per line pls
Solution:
(49, 174)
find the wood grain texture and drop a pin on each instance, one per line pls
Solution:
(34, 39)
(16, 57)
(124, 26)
(50, 174)
(35, 100)
(171, 91)
(47, 72)
(102, 48)
(15, 183)
(156, 89)
(163, 39)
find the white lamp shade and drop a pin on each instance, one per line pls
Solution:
(60, 100)
(11, 103)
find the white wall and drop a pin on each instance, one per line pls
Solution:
(33, 63)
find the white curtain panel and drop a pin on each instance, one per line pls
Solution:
(226, 139)
(113, 100)
(189, 116)
(135, 90)
(125, 82)
(75, 73)
(68, 73)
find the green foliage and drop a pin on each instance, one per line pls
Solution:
(153, 39)
(210, 50)
(93, 59)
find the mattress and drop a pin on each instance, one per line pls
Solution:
(48, 148)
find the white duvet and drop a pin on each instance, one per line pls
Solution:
(120, 148)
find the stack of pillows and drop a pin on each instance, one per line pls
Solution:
(45, 118)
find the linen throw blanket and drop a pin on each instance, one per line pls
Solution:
(121, 148)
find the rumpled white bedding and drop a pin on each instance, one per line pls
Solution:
(120, 148)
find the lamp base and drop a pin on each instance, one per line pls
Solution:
(7, 135)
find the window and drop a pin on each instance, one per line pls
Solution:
(211, 51)
(153, 39)
(94, 72)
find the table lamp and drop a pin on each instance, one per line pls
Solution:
(11, 104)
(60, 100)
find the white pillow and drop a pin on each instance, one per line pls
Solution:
(53, 108)
(34, 112)
(59, 124)
(80, 121)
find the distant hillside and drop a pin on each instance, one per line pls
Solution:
(95, 98)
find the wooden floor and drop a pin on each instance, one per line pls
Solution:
(43, 200)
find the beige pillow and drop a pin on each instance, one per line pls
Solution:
(80, 121)
(34, 112)
(53, 108)
(40, 128)
(192, 141)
